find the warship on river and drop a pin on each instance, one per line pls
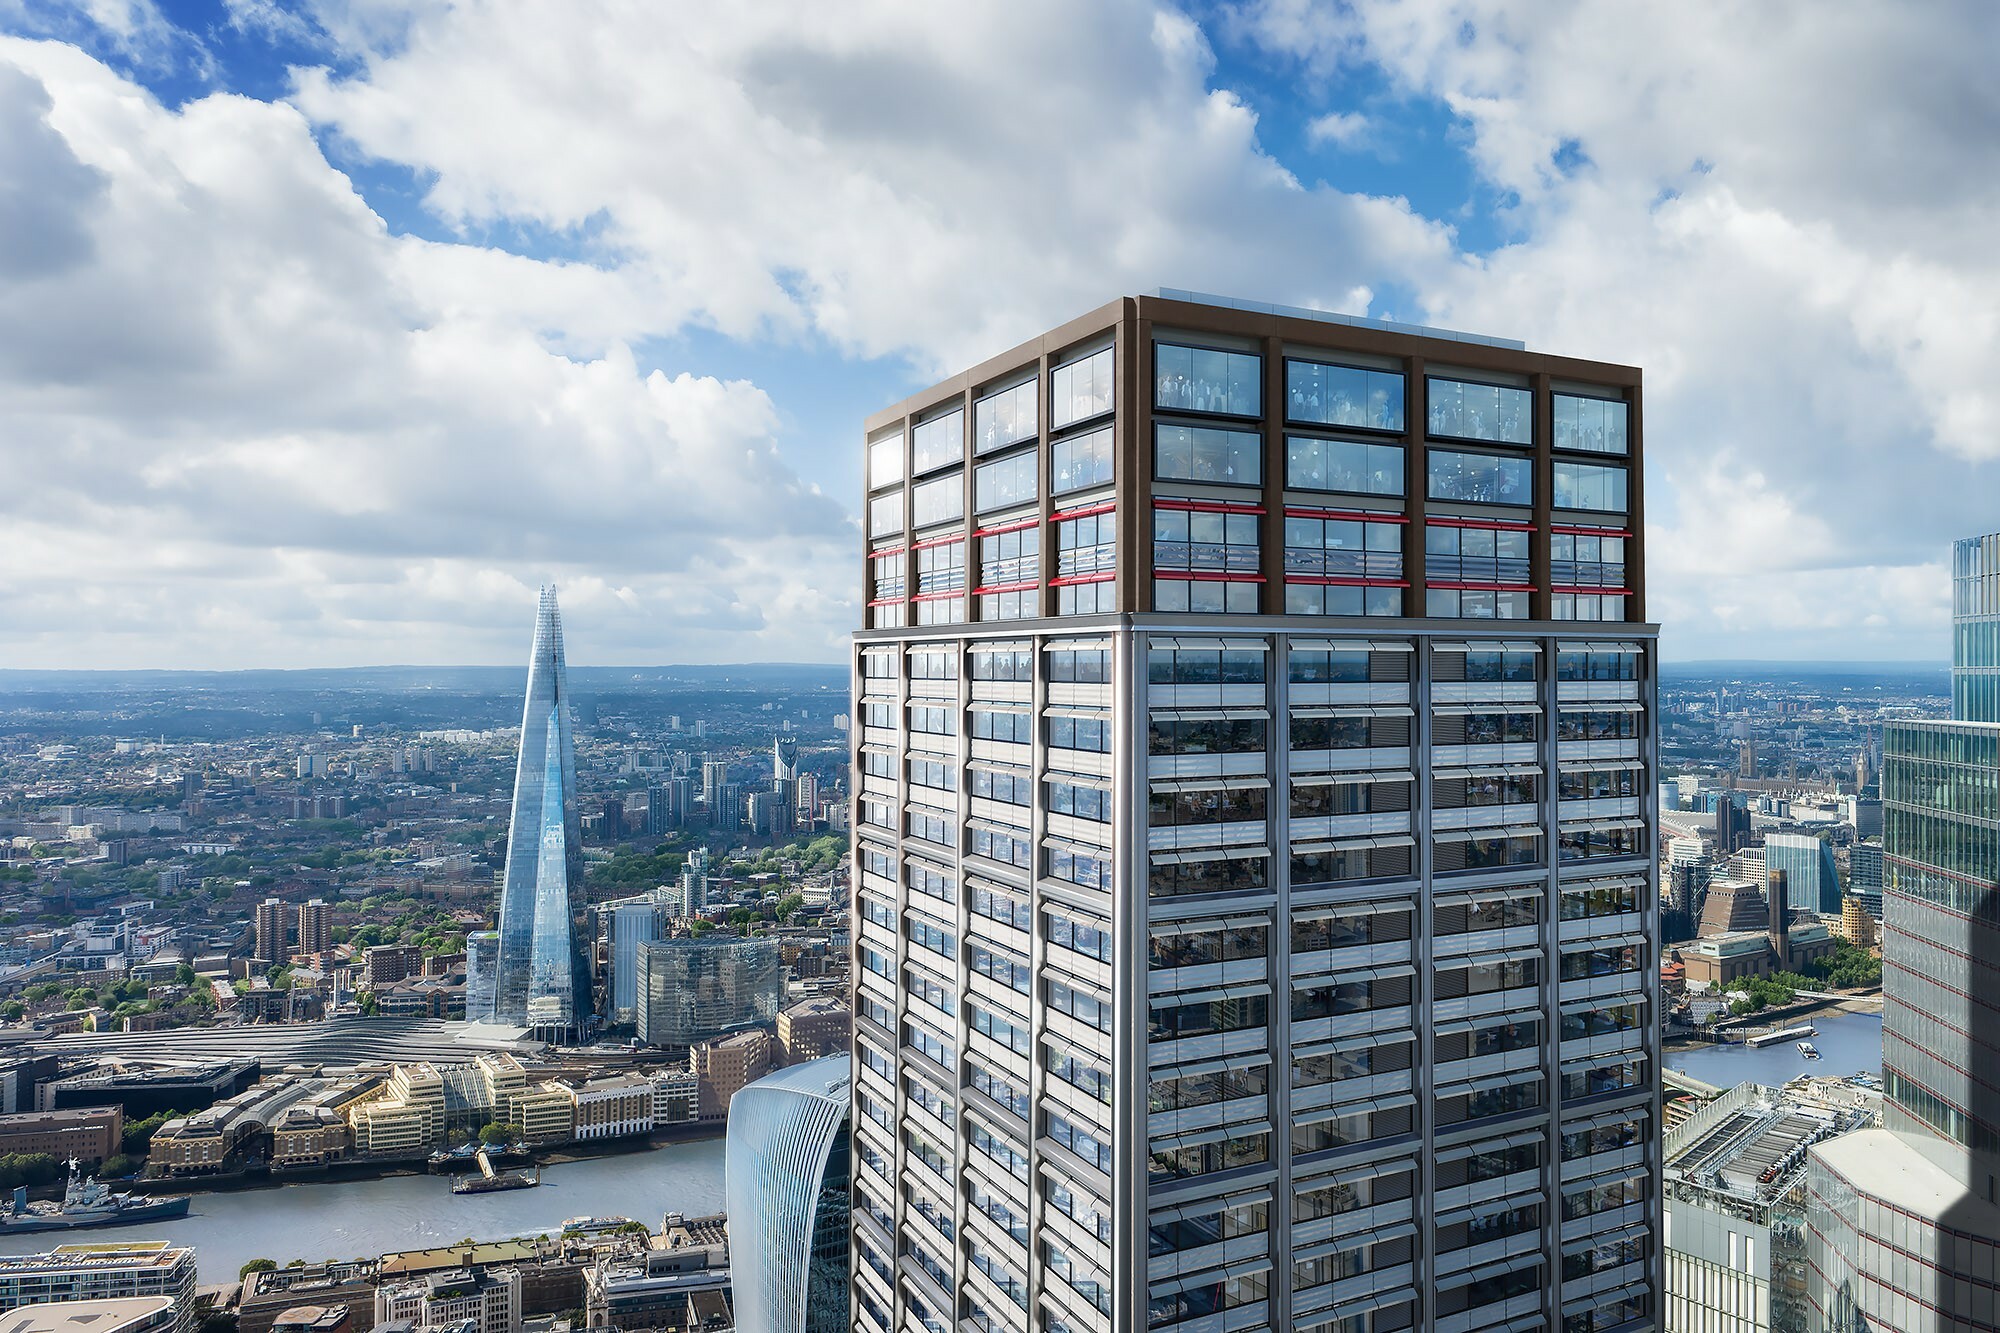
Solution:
(86, 1203)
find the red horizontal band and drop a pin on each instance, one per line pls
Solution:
(885, 551)
(1204, 576)
(936, 541)
(1208, 507)
(999, 528)
(1491, 523)
(887, 601)
(937, 596)
(1590, 532)
(1088, 511)
(1484, 587)
(1026, 586)
(1074, 579)
(1601, 592)
(1362, 515)
(1328, 581)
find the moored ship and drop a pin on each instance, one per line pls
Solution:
(86, 1203)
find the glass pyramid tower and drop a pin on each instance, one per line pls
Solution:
(538, 975)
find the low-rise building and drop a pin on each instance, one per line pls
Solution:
(820, 1026)
(727, 1065)
(136, 1314)
(545, 1113)
(326, 1286)
(656, 1289)
(112, 1271)
(89, 1133)
(612, 1108)
(489, 1299)
(676, 1097)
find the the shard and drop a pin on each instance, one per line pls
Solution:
(538, 975)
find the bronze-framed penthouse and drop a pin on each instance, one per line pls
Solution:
(1255, 888)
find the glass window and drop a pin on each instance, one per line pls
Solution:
(1475, 604)
(1085, 545)
(1589, 486)
(1475, 555)
(1200, 540)
(1006, 481)
(1481, 478)
(941, 500)
(938, 442)
(1080, 390)
(1200, 453)
(1465, 410)
(1343, 465)
(885, 514)
(1343, 395)
(885, 461)
(1592, 425)
(1079, 462)
(1203, 379)
(1004, 417)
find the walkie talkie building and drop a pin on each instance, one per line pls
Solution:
(538, 975)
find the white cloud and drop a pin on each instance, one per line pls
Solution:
(1785, 214)
(1342, 129)
(247, 426)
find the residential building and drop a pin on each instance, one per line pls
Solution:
(88, 1134)
(270, 930)
(383, 965)
(315, 928)
(1255, 836)
(546, 1114)
(109, 1270)
(541, 981)
(676, 1097)
(810, 1029)
(486, 1300)
(1903, 1222)
(786, 1176)
(1864, 870)
(725, 1066)
(695, 988)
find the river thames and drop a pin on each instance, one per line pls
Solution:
(353, 1218)
(1847, 1043)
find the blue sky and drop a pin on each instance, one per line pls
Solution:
(333, 328)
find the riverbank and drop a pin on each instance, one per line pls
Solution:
(323, 1218)
(1788, 1016)
(383, 1168)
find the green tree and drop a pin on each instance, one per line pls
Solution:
(13, 1011)
(257, 1266)
(367, 1001)
(116, 1165)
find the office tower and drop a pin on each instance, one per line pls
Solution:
(695, 988)
(786, 1178)
(539, 979)
(614, 820)
(1975, 629)
(1810, 871)
(629, 925)
(784, 759)
(714, 774)
(1255, 893)
(270, 932)
(315, 928)
(1903, 1222)
(1864, 873)
(1732, 825)
(482, 966)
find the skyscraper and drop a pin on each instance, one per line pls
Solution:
(1810, 871)
(315, 929)
(1903, 1222)
(784, 759)
(628, 925)
(482, 965)
(697, 988)
(1255, 890)
(539, 979)
(786, 1178)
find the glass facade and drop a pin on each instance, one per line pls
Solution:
(1975, 629)
(539, 976)
(697, 988)
(787, 1181)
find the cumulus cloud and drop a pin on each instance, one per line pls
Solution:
(247, 425)
(1785, 214)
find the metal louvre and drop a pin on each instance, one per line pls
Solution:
(1361, 844)
(1358, 775)
(1600, 706)
(1351, 646)
(1195, 854)
(1491, 831)
(1496, 706)
(1355, 710)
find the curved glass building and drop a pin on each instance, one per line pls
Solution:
(787, 1187)
(538, 975)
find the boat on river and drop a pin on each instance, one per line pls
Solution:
(87, 1203)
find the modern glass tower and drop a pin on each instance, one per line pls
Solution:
(786, 1178)
(539, 978)
(1903, 1222)
(1256, 902)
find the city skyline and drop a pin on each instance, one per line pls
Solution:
(298, 200)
